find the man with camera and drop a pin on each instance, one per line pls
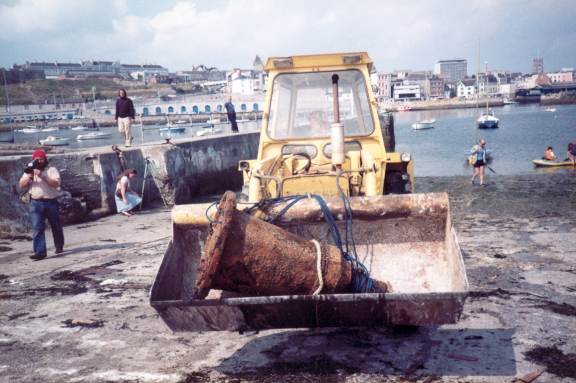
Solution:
(43, 183)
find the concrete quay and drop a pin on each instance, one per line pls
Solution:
(83, 316)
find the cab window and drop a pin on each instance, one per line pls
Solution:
(302, 105)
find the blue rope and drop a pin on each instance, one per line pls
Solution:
(361, 281)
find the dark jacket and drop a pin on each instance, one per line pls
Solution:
(124, 108)
(229, 108)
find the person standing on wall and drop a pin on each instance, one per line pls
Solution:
(231, 114)
(125, 116)
(43, 184)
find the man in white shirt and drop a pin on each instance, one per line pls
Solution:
(43, 184)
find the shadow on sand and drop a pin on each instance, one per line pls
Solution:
(334, 353)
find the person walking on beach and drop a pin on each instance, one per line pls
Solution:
(42, 182)
(479, 153)
(125, 116)
(126, 199)
(231, 114)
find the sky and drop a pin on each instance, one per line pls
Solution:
(178, 34)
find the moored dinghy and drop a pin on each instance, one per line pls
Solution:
(55, 141)
(93, 136)
(424, 124)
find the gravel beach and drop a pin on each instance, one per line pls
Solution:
(83, 316)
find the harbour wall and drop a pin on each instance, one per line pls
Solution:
(175, 173)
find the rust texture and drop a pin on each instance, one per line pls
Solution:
(247, 255)
(368, 208)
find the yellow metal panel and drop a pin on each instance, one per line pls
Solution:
(323, 60)
(324, 185)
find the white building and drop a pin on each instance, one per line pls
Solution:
(407, 91)
(466, 88)
(242, 82)
(507, 90)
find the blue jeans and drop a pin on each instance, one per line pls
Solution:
(40, 210)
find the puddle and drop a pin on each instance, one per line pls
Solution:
(67, 275)
(558, 308)
(4, 249)
(556, 362)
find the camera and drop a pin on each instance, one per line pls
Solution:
(29, 169)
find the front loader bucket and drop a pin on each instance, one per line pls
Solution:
(406, 241)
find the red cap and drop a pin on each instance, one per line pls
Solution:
(39, 153)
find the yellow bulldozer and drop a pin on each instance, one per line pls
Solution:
(330, 233)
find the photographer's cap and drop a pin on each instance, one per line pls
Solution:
(39, 153)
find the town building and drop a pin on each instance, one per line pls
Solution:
(247, 81)
(466, 88)
(488, 85)
(407, 91)
(564, 76)
(538, 65)
(451, 71)
(18, 74)
(93, 68)
(434, 87)
(384, 81)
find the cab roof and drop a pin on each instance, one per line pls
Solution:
(321, 60)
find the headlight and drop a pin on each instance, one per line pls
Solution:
(405, 157)
(244, 166)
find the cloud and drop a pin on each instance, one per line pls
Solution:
(226, 33)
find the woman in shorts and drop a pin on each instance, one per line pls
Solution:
(479, 151)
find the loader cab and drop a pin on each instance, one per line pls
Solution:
(302, 105)
(297, 151)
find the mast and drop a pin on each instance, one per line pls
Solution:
(485, 84)
(477, 73)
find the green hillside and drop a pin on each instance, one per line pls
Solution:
(50, 91)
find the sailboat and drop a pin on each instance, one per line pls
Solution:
(487, 120)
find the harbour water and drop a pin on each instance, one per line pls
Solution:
(141, 134)
(525, 131)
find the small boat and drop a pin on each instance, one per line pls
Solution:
(183, 123)
(404, 108)
(550, 110)
(424, 124)
(50, 129)
(173, 129)
(80, 128)
(55, 141)
(208, 130)
(31, 129)
(93, 136)
(547, 163)
(488, 121)
(507, 101)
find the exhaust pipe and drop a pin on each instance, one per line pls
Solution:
(336, 129)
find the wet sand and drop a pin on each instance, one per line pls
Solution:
(84, 316)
